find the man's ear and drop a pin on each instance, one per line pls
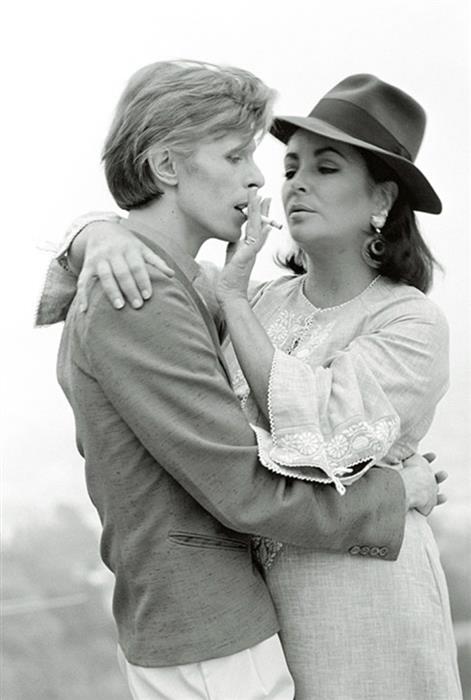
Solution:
(163, 166)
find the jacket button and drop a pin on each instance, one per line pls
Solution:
(383, 551)
(355, 549)
(364, 551)
(374, 551)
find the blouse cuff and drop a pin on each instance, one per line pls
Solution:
(57, 295)
(303, 444)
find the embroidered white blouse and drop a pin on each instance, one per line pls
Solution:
(350, 386)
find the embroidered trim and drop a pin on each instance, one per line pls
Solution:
(359, 442)
(302, 448)
(310, 472)
(287, 327)
(271, 418)
(290, 326)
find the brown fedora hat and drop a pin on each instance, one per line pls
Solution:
(366, 112)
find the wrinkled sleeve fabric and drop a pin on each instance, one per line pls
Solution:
(60, 285)
(165, 382)
(59, 289)
(370, 401)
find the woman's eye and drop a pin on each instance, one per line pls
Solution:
(327, 169)
(234, 159)
(289, 174)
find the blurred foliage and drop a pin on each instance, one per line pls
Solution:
(59, 640)
(66, 652)
(453, 535)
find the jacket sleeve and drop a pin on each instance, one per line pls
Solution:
(159, 370)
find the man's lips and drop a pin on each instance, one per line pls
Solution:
(241, 207)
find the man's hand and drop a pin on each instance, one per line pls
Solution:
(421, 483)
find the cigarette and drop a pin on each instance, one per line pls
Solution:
(271, 222)
(266, 220)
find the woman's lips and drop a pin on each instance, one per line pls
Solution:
(300, 212)
(299, 209)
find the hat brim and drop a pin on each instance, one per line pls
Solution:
(420, 192)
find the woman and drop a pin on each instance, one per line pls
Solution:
(340, 367)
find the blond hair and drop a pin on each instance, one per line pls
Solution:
(177, 104)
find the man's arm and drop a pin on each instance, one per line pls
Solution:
(159, 369)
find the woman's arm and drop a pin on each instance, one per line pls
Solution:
(373, 398)
(252, 346)
(251, 343)
(331, 423)
(60, 285)
(108, 251)
(94, 247)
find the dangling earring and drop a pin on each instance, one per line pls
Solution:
(299, 258)
(374, 247)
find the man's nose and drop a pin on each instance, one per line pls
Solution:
(256, 178)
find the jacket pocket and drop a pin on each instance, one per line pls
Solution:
(192, 539)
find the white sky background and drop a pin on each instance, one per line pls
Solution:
(65, 66)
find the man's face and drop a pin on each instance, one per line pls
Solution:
(213, 187)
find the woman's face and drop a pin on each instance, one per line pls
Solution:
(213, 186)
(328, 194)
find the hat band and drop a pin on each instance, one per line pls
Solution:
(358, 123)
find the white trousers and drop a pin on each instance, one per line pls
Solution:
(253, 674)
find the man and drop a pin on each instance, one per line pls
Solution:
(171, 463)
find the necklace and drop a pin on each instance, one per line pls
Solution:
(309, 320)
(344, 303)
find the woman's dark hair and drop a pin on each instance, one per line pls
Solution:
(407, 257)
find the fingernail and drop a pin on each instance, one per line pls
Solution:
(118, 303)
(137, 303)
(146, 294)
(83, 308)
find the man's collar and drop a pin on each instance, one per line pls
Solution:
(188, 265)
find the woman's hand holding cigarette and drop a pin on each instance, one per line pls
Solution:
(240, 258)
(267, 220)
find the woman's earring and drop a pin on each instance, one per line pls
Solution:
(374, 247)
(377, 221)
(300, 258)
